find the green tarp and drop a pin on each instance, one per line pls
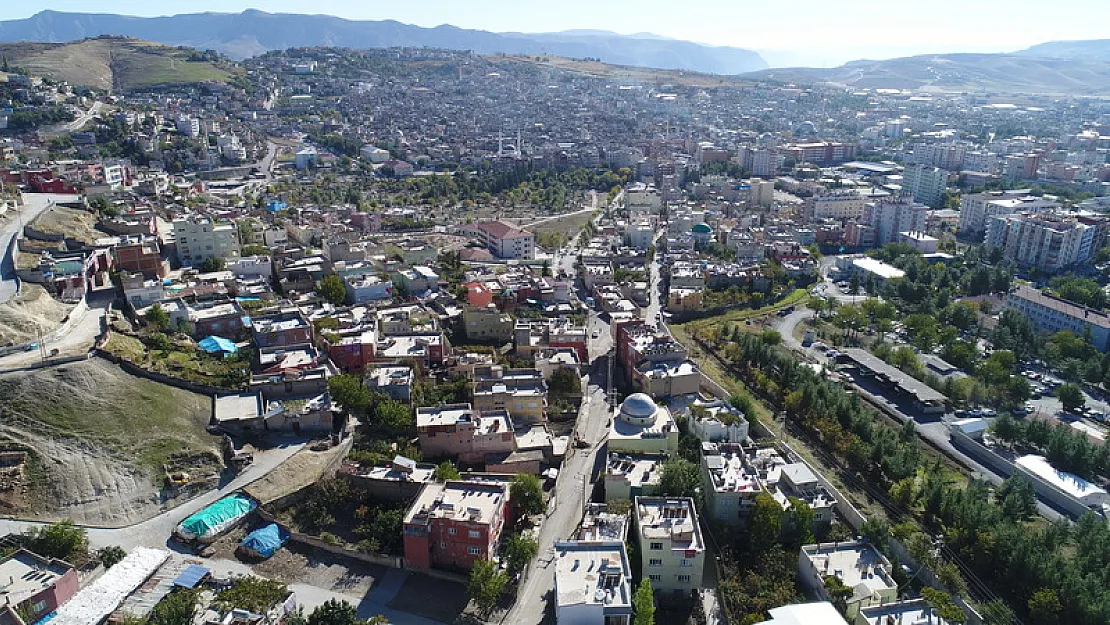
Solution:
(217, 517)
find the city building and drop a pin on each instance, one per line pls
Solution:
(1050, 314)
(593, 583)
(889, 216)
(1048, 242)
(841, 206)
(641, 426)
(818, 613)
(867, 268)
(520, 392)
(487, 323)
(1046, 477)
(451, 525)
(457, 430)
(925, 183)
(906, 612)
(855, 564)
(503, 239)
(282, 329)
(730, 483)
(977, 208)
(36, 586)
(716, 420)
(141, 254)
(199, 238)
(628, 476)
(669, 544)
(919, 241)
(394, 381)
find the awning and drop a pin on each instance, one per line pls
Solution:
(191, 576)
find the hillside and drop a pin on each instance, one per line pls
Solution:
(1088, 50)
(252, 32)
(622, 73)
(976, 73)
(114, 63)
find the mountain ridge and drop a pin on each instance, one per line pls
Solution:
(252, 32)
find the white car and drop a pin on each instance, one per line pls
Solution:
(595, 334)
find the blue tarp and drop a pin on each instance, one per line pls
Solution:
(191, 576)
(266, 540)
(213, 344)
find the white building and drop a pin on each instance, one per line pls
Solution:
(890, 216)
(593, 583)
(670, 544)
(1048, 242)
(819, 613)
(864, 266)
(642, 426)
(975, 209)
(188, 126)
(374, 154)
(926, 183)
(1051, 314)
(721, 422)
(503, 239)
(919, 241)
(1039, 468)
(641, 234)
(306, 157)
(855, 564)
(199, 238)
(847, 205)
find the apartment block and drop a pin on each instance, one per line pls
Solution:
(454, 524)
(855, 564)
(487, 323)
(199, 238)
(670, 544)
(520, 392)
(977, 208)
(503, 239)
(1048, 242)
(458, 430)
(842, 206)
(593, 583)
(925, 183)
(628, 476)
(892, 215)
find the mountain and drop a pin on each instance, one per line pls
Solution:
(975, 73)
(1088, 50)
(252, 32)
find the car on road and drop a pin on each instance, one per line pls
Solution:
(595, 334)
(819, 346)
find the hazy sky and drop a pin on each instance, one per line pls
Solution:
(787, 31)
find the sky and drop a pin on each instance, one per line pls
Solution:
(786, 32)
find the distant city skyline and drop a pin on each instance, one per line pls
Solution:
(802, 32)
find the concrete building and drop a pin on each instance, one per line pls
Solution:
(670, 544)
(593, 583)
(1050, 314)
(867, 268)
(628, 476)
(306, 158)
(457, 430)
(730, 483)
(394, 381)
(666, 378)
(641, 426)
(1051, 482)
(487, 324)
(919, 241)
(199, 238)
(842, 206)
(641, 234)
(818, 613)
(503, 239)
(36, 586)
(855, 564)
(1046, 242)
(520, 392)
(367, 287)
(717, 421)
(925, 183)
(976, 208)
(892, 215)
(283, 329)
(454, 524)
(906, 612)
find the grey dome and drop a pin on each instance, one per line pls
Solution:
(638, 406)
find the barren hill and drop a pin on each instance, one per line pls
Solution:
(115, 63)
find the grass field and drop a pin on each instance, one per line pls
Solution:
(189, 364)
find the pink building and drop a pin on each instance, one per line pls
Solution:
(455, 524)
(35, 586)
(457, 430)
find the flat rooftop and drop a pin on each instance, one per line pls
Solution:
(638, 470)
(28, 574)
(856, 564)
(592, 573)
(478, 502)
(923, 392)
(1071, 309)
(878, 267)
(669, 518)
(731, 474)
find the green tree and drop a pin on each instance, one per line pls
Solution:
(485, 586)
(518, 550)
(1071, 396)
(565, 383)
(334, 612)
(333, 290)
(944, 606)
(62, 540)
(111, 555)
(211, 264)
(157, 317)
(766, 522)
(446, 471)
(771, 337)
(347, 390)
(252, 593)
(643, 604)
(177, 608)
(839, 592)
(679, 478)
(526, 494)
(800, 518)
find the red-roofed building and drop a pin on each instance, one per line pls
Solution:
(478, 295)
(503, 239)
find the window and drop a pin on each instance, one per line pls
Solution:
(442, 545)
(656, 546)
(474, 551)
(474, 534)
(655, 562)
(683, 579)
(655, 578)
(686, 562)
(39, 606)
(451, 531)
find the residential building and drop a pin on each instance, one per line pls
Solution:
(1048, 242)
(141, 254)
(306, 157)
(394, 381)
(856, 564)
(628, 476)
(867, 268)
(819, 613)
(457, 430)
(520, 392)
(717, 421)
(593, 583)
(730, 483)
(199, 238)
(977, 208)
(670, 545)
(282, 329)
(919, 241)
(905, 612)
(487, 324)
(362, 288)
(36, 586)
(925, 183)
(892, 215)
(666, 378)
(453, 524)
(503, 239)
(795, 480)
(641, 426)
(842, 206)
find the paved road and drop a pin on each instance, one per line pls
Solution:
(76, 336)
(33, 205)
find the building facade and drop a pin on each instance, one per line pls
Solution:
(670, 544)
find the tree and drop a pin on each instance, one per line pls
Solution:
(799, 521)
(177, 608)
(62, 540)
(771, 337)
(643, 604)
(839, 592)
(347, 390)
(334, 612)
(526, 494)
(446, 471)
(565, 383)
(944, 606)
(211, 264)
(485, 586)
(252, 593)
(766, 522)
(157, 317)
(1045, 607)
(333, 290)
(1018, 499)
(1071, 396)
(111, 555)
(679, 478)
(518, 550)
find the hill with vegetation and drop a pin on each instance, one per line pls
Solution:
(117, 63)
